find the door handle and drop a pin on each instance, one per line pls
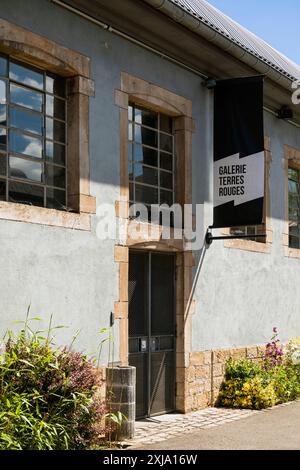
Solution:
(143, 345)
(154, 345)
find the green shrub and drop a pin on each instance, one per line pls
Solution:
(251, 393)
(285, 381)
(293, 351)
(47, 396)
(250, 385)
(242, 369)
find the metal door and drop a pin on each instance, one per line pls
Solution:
(152, 331)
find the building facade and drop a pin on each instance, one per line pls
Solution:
(106, 105)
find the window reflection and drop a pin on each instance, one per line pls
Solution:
(146, 194)
(145, 136)
(146, 117)
(33, 106)
(145, 175)
(146, 155)
(150, 156)
(2, 114)
(55, 152)
(56, 176)
(166, 161)
(55, 85)
(2, 91)
(26, 193)
(26, 75)
(166, 180)
(166, 143)
(3, 66)
(2, 191)
(294, 207)
(25, 169)
(27, 98)
(55, 130)
(28, 145)
(166, 197)
(55, 107)
(166, 123)
(56, 199)
(2, 139)
(31, 122)
(3, 160)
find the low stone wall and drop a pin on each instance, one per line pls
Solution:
(205, 374)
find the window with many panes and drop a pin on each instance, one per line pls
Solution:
(294, 207)
(151, 157)
(250, 231)
(32, 136)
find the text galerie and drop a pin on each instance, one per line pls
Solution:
(231, 180)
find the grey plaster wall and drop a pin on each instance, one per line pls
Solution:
(66, 272)
(240, 295)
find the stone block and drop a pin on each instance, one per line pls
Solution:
(221, 355)
(238, 353)
(261, 350)
(180, 374)
(180, 389)
(202, 372)
(121, 310)
(251, 352)
(202, 400)
(180, 404)
(217, 381)
(218, 369)
(199, 358)
(190, 374)
(197, 388)
(182, 359)
(121, 254)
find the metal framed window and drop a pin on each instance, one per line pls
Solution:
(32, 136)
(294, 207)
(151, 157)
(250, 230)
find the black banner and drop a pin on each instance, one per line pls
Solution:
(238, 152)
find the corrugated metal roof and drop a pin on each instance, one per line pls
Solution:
(218, 21)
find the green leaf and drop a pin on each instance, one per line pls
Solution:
(24, 361)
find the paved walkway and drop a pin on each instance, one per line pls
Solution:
(160, 428)
(274, 428)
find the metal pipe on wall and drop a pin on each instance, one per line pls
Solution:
(157, 4)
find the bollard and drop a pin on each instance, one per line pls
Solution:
(120, 396)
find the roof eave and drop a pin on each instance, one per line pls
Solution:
(178, 14)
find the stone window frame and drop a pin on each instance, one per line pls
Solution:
(291, 158)
(35, 50)
(250, 245)
(153, 97)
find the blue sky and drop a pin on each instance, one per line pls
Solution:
(276, 21)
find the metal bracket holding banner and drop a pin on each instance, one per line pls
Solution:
(209, 238)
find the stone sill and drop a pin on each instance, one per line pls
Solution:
(150, 236)
(248, 245)
(291, 252)
(43, 216)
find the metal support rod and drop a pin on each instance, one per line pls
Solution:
(197, 274)
(149, 335)
(209, 237)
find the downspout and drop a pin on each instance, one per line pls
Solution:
(194, 24)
